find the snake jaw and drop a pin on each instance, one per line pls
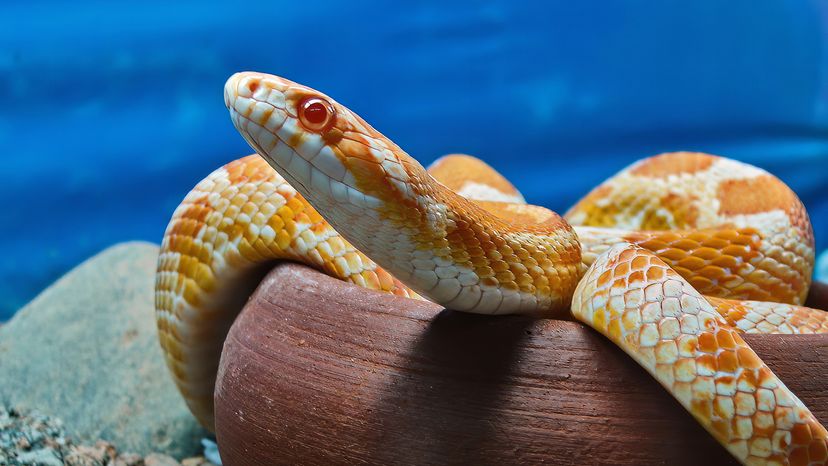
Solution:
(263, 109)
(343, 163)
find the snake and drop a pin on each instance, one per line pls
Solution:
(672, 259)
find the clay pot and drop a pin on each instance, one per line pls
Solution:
(316, 371)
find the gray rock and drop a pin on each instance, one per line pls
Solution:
(86, 350)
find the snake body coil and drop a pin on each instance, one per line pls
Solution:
(663, 259)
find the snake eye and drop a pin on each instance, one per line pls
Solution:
(316, 114)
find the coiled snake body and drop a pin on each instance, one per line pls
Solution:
(656, 258)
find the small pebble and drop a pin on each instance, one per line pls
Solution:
(157, 459)
(195, 461)
(211, 452)
(34, 439)
(128, 459)
(41, 457)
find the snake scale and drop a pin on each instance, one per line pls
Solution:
(671, 259)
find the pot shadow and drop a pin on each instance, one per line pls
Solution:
(443, 400)
(452, 396)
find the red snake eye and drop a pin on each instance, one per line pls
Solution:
(316, 114)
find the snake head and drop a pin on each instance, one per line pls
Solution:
(328, 153)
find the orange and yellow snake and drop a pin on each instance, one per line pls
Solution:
(671, 258)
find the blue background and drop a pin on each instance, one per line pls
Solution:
(110, 114)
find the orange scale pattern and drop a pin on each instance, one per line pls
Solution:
(731, 263)
(678, 337)
(240, 217)
(769, 317)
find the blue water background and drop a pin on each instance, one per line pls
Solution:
(110, 113)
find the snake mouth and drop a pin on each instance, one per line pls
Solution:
(258, 110)
(266, 109)
(262, 110)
